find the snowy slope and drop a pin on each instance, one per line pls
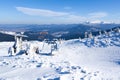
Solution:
(86, 59)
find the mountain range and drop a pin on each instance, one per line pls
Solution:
(51, 31)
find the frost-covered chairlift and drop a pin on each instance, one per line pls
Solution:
(53, 45)
(17, 47)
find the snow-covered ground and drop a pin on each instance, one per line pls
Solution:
(87, 59)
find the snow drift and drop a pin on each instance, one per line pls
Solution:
(95, 58)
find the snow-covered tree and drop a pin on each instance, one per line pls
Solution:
(100, 33)
(95, 40)
(86, 34)
(17, 47)
(18, 44)
(32, 49)
(80, 39)
(109, 34)
(90, 35)
(105, 32)
(118, 30)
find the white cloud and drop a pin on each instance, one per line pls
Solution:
(62, 17)
(97, 14)
(40, 12)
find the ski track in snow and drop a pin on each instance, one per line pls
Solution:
(87, 59)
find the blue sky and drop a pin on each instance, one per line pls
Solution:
(58, 11)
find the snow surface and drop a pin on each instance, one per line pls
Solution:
(86, 59)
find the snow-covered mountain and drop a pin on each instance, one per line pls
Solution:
(95, 58)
